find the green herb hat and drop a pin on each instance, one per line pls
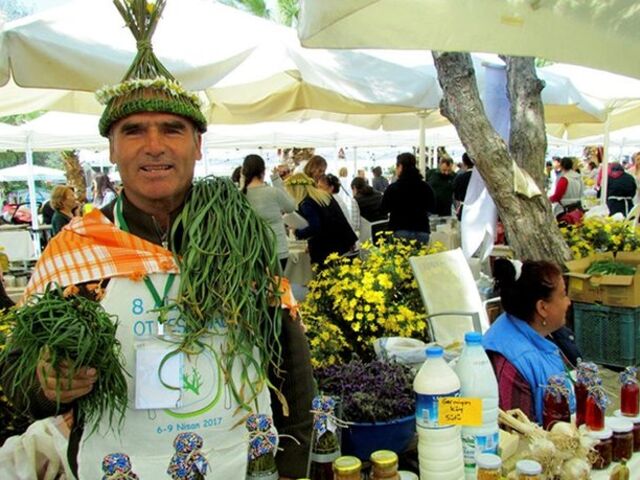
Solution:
(147, 86)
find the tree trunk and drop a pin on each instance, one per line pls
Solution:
(75, 174)
(530, 226)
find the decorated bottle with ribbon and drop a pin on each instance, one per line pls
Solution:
(117, 465)
(597, 402)
(555, 402)
(629, 392)
(325, 438)
(586, 375)
(188, 463)
(263, 443)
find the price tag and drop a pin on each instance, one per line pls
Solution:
(460, 411)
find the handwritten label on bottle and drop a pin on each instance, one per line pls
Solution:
(460, 411)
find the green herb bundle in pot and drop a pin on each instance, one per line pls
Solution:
(72, 332)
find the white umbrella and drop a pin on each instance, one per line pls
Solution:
(21, 173)
(600, 34)
(247, 69)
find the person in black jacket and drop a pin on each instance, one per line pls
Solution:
(461, 183)
(369, 200)
(621, 189)
(441, 181)
(409, 200)
(328, 230)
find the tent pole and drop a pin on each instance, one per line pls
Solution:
(32, 198)
(605, 160)
(422, 158)
(355, 163)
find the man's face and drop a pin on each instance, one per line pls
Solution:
(155, 154)
(445, 168)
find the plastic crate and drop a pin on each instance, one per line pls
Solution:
(608, 335)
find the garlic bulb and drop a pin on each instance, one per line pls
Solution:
(576, 469)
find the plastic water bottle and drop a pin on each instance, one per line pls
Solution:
(439, 447)
(477, 380)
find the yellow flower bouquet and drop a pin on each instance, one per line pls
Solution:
(601, 234)
(351, 302)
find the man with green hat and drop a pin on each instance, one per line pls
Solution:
(155, 129)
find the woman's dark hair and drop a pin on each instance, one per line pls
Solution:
(408, 162)
(235, 176)
(566, 163)
(537, 281)
(361, 186)
(252, 167)
(103, 183)
(377, 171)
(333, 182)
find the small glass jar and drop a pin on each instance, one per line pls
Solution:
(489, 467)
(384, 465)
(528, 470)
(604, 448)
(622, 439)
(636, 429)
(347, 468)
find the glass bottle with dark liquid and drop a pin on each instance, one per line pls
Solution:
(555, 403)
(597, 402)
(629, 392)
(587, 372)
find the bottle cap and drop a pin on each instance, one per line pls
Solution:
(384, 458)
(473, 338)
(434, 352)
(529, 467)
(346, 465)
(603, 434)
(488, 460)
(618, 413)
(619, 424)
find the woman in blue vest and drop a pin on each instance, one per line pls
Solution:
(535, 304)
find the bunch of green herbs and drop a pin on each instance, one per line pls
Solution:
(72, 333)
(229, 272)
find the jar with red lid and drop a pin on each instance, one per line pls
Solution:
(555, 402)
(636, 429)
(629, 392)
(597, 402)
(622, 438)
(604, 448)
(586, 373)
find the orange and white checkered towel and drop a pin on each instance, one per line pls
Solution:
(92, 248)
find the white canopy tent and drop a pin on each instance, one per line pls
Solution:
(24, 172)
(257, 70)
(595, 33)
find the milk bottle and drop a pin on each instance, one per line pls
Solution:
(439, 447)
(477, 380)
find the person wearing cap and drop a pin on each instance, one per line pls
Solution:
(535, 303)
(155, 129)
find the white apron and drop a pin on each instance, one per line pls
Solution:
(207, 406)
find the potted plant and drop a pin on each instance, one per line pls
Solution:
(352, 302)
(377, 400)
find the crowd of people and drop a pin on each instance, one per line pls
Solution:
(574, 184)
